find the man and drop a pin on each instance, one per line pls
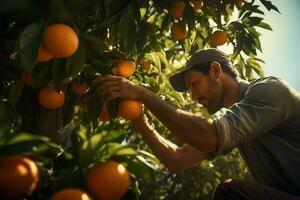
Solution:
(262, 121)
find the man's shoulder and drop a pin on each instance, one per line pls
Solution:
(270, 84)
(267, 80)
(268, 89)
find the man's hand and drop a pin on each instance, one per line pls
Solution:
(115, 86)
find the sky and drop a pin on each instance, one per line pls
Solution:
(280, 47)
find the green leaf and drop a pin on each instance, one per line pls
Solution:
(75, 63)
(113, 136)
(154, 59)
(95, 41)
(269, 5)
(95, 103)
(249, 72)
(89, 149)
(15, 92)
(139, 167)
(58, 69)
(24, 143)
(29, 43)
(264, 25)
(127, 31)
(41, 74)
(252, 62)
(252, 21)
(113, 107)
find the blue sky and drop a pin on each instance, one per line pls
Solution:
(281, 46)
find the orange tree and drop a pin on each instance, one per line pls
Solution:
(52, 51)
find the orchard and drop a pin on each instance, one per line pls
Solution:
(61, 139)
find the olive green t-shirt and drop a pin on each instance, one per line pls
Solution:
(265, 127)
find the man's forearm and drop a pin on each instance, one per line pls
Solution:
(190, 128)
(162, 148)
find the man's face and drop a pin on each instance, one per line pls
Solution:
(204, 89)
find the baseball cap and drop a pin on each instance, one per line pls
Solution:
(200, 57)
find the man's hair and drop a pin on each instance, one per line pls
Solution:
(226, 67)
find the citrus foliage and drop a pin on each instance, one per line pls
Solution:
(52, 51)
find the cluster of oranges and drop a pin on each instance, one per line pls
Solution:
(178, 29)
(60, 41)
(19, 176)
(127, 109)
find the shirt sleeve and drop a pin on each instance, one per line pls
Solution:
(264, 107)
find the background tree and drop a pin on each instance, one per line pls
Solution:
(52, 51)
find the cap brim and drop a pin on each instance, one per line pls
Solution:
(177, 81)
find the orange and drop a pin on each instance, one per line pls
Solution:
(27, 77)
(60, 40)
(178, 31)
(177, 9)
(129, 109)
(18, 177)
(218, 38)
(239, 4)
(79, 89)
(104, 114)
(43, 55)
(125, 68)
(108, 181)
(146, 65)
(71, 194)
(197, 4)
(50, 98)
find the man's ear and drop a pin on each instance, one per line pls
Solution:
(215, 69)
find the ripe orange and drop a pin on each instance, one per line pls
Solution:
(239, 3)
(129, 109)
(60, 40)
(125, 68)
(18, 177)
(104, 114)
(71, 194)
(43, 55)
(108, 181)
(197, 4)
(79, 89)
(177, 9)
(178, 31)
(218, 38)
(146, 65)
(27, 77)
(50, 98)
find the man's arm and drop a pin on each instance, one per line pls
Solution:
(192, 129)
(173, 157)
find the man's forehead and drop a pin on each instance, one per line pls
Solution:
(192, 75)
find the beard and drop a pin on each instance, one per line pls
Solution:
(217, 95)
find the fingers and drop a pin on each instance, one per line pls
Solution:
(106, 78)
(107, 84)
(113, 95)
(108, 89)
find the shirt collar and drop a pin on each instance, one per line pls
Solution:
(243, 88)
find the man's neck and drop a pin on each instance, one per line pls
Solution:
(231, 92)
